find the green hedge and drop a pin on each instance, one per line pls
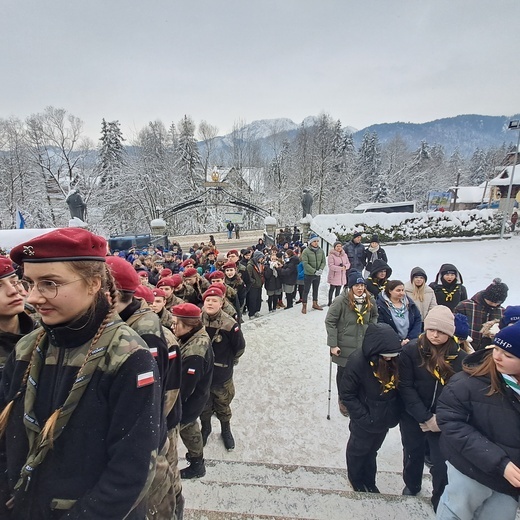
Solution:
(426, 225)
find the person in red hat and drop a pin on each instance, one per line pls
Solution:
(138, 315)
(234, 280)
(87, 362)
(158, 306)
(200, 284)
(218, 277)
(228, 345)
(14, 324)
(168, 285)
(183, 290)
(197, 372)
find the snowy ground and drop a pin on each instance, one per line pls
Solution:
(280, 407)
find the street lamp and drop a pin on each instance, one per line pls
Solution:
(513, 125)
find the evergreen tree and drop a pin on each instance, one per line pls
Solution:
(111, 154)
(369, 162)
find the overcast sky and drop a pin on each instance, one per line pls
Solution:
(363, 62)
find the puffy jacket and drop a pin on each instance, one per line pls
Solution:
(380, 255)
(374, 285)
(356, 255)
(478, 312)
(272, 277)
(429, 299)
(369, 407)
(479, 431)
(343, 329)
(337, 275)
(313, 260)
(290, 271)
(451, 294)
(419, 388)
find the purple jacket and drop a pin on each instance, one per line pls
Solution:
(337, 276)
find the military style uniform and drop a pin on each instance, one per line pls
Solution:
(197, 372)
(187, 294)
(113, 405)
(139, 316)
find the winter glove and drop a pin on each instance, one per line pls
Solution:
(318, 272)
(430, 425)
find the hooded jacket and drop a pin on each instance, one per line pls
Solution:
(370, 408)
(414, 316)
(447, 294)
(336, 261)
(373, 285)
(429, 300)
(479, 432)
(343, 329)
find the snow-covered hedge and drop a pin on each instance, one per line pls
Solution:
(398, 227)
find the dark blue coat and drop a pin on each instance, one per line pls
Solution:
(414, 316)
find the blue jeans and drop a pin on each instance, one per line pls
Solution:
(467, 499)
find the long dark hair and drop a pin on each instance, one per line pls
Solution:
(434, 356)
(352, 302)
(386, 369)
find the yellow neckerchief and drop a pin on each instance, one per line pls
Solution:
(449, 295)
(361, 315)
(449, 358)
(388, 386)
(377, 284)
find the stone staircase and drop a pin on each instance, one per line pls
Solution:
(246, 490)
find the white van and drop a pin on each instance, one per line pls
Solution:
(386, 207)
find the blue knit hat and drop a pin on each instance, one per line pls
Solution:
(508, 339)
(511, 316)
(354, 278)
(461, 326)
(313, 238)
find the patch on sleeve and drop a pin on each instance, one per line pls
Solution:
(154, 352)
(172, 354)
(237, 328)
(145, 379)
(191, 371)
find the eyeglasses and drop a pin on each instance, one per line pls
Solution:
(17, 284)
(47, 288)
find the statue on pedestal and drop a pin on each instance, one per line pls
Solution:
(76, 205)
(306, 202)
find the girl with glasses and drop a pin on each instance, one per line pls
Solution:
(79, 396)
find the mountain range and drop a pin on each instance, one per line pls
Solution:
(463, 132)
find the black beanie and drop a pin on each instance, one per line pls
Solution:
(496, 292)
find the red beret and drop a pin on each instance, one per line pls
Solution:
(165, 272)
(187, 262)
(190, 271)
(142, 274)
(229, 265)
(186, 310)
(6, 267)
(213, 291)
(221, 286)
(61, 245)
(159, 293)
(125, 275)
(232, 252)
(170, 281)
(217, 274)
(145, 293)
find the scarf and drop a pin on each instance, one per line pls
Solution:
(360, 308)
(386, 386)
(449, 294)
(512, 383)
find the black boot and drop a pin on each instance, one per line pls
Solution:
(179, 507)
(227, 436)
(196, 469)
(205, 430)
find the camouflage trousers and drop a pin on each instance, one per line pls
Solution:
(219, 401)
(161, 496)
(173, 459)
(192, 438)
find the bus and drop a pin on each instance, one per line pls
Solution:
(386, 207)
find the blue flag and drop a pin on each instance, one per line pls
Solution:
(20, 221)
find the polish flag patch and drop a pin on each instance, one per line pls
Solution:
(191, 371)
(145, 379)
(153, 351)
(172, 354)
(237, 328)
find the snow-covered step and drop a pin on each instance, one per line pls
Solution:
(312, 477)
(205, 497)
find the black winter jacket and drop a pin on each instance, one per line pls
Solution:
(480, 432)
(451, 294)
(370, 408)
(272, 282)
(290, 271)
(419, 389)
(374, 285)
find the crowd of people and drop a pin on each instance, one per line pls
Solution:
(108, 357)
